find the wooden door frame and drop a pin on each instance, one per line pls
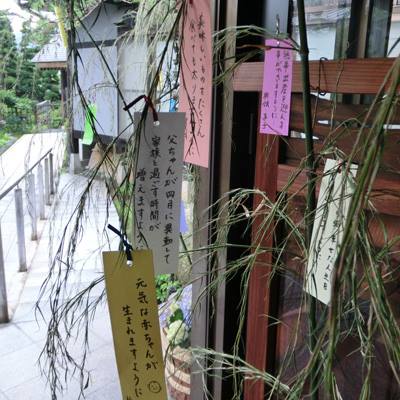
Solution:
(207, 330)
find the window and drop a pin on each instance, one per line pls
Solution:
(328, 27)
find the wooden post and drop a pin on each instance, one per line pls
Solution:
(19, 214)
(259, 287)
(4, 317)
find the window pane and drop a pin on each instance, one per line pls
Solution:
(394, 34)
(327, 27)
(378, 33)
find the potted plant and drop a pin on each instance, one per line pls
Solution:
(175, 337)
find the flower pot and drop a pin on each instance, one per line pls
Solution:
(177, 369)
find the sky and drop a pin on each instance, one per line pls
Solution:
(19, 15)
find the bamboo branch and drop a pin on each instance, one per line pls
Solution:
(311, 174)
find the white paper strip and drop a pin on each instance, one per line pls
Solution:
(158, 186)
(332, 209)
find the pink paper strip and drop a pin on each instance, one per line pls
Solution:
(277, 88)
(195, 93)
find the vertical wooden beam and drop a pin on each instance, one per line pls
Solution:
(266, 179)
(209, 190)
(64, 95)
(224, 176)
(259, 291)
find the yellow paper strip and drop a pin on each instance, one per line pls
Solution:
(131, 295)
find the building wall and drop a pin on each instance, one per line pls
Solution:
(132, 80)
(98, 73)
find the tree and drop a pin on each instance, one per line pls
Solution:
(34, 83)
(21, 83)
(37, 7)
(26, 69)
(8, 53)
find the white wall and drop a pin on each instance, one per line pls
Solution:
(132, 81)
(97, 85)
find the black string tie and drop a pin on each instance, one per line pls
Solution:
(149, 103)
(127, 245)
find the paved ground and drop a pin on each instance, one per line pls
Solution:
(22, 340)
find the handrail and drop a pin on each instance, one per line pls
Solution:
(16, 183)
(36, 200)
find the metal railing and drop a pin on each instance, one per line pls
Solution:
(45, 180)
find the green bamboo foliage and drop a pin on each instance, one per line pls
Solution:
(360, 306)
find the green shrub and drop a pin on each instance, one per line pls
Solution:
(16, 112)
(165, 285)
(4, 139)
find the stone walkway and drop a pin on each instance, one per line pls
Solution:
(22, 340)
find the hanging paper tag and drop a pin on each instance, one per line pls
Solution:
(195, 90)
(158, 187)
(131, 296)
(277, 88)
(90, 118)
(332, 209)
